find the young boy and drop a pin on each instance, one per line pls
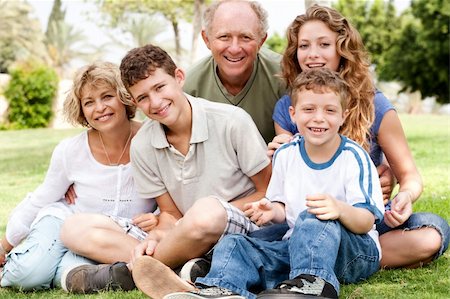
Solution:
(327, 189)
(202, 162)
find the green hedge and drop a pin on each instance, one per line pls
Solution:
(30, 94)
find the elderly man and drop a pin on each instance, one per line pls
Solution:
(239, 71)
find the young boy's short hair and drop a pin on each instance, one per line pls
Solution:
(321, 80)
(139, 63)
(95, 75)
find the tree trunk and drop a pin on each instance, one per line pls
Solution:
(176, 32)
(196, 28)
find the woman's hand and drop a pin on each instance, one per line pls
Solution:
(387, 181)
(277, 141)
(401, 210)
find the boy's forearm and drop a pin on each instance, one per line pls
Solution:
(356, 220)
(239, 203)
(279, 212)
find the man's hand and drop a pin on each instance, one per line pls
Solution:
(70, 195)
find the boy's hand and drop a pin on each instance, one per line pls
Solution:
(146, 247)
(401, 210)
(324, 206)
(146, 221)
(260, 212)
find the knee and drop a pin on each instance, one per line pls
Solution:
(71, 229)
(431, 242)
(230, 242)
(206, 217)
(25, 277)
(78, 227)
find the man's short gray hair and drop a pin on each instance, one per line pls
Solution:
(260, 12)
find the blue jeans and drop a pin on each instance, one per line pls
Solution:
(419, 220)
(39, 261)
(321, 248)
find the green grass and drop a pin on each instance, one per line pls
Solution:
(24, 157)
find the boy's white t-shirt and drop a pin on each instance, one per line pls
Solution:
(349, 175)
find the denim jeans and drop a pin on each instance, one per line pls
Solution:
(419, 220)
(39, 261)
(321, 248)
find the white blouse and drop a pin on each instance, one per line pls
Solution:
(100, 188)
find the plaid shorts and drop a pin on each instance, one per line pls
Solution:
(130, 229)
(237, 222)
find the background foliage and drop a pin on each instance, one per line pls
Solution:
(412, 48)
(20, 35)
(30, 94)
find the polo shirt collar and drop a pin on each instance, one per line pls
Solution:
(199, 126)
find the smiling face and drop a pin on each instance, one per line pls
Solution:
(317, 46)
(160, 96)
(318, 117)
(101, 106)
(234, 40)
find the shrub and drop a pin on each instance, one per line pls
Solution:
(30, 94)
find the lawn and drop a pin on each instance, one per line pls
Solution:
(24, 157)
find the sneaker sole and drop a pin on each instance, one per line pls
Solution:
(181, 295)
(156, 280)
(287, 296)
(185, 272)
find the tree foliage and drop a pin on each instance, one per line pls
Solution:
(376, 21)
(20, 34)
(63, 41)
(173, 11)
(276, 43)
(419, 57)
(30, 94)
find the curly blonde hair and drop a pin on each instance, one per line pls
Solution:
(354, 69)
(95, 74)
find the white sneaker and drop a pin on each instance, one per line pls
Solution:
(198, 267)
(211, 293)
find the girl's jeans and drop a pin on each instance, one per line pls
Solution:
(39, 261)
(419, 220)
(416, 221)
(326, 249)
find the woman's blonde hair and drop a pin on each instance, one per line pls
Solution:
(354, 68)
(95, 74)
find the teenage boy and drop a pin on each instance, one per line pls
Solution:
(327, 189)
(202, 162)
